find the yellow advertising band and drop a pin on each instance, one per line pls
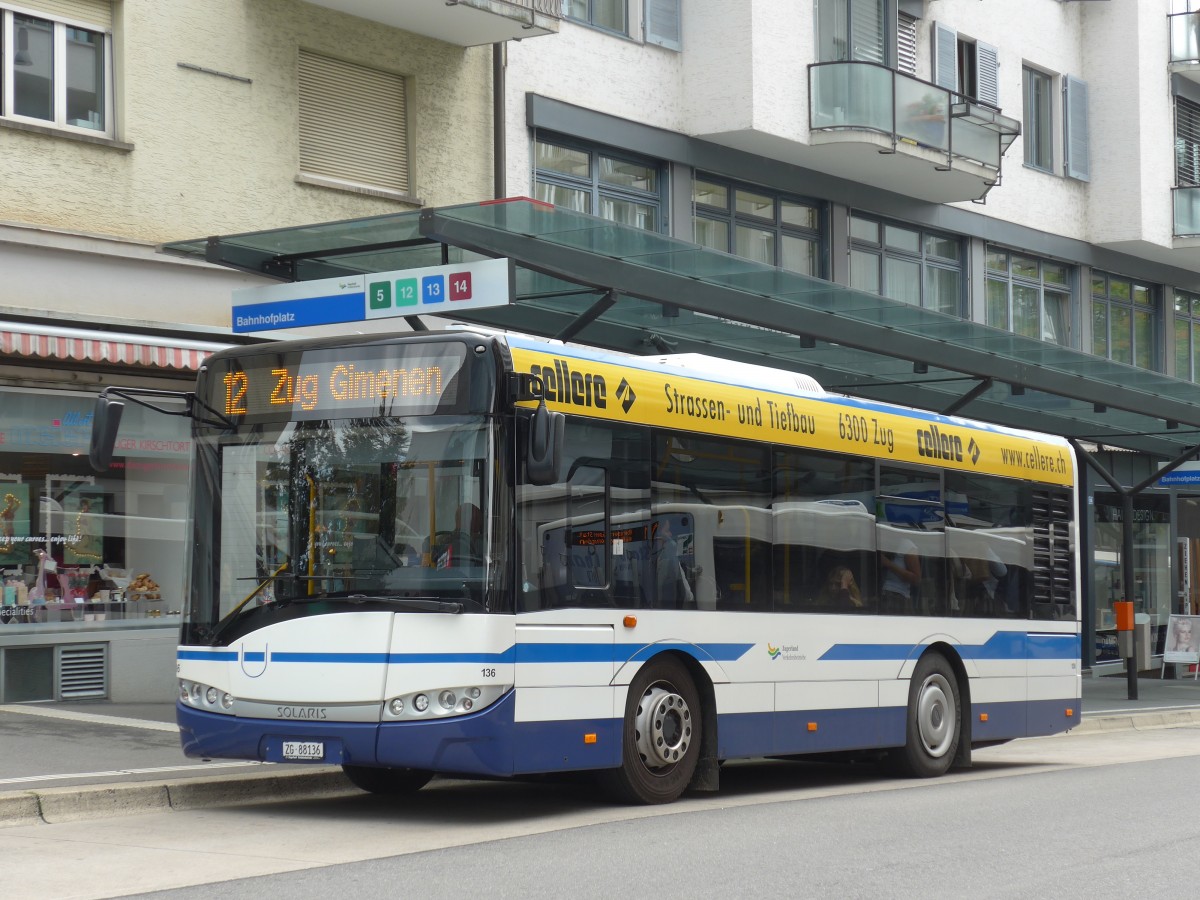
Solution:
(667, 399)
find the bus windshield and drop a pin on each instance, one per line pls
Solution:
(309, 515)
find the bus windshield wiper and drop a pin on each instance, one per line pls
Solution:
(424, 604)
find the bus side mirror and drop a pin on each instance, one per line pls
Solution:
(106, 419)
(544, 448)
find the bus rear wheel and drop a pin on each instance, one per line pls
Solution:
(375, 780)
(660, 744)
(934, 720)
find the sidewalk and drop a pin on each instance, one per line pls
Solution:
(68, 761)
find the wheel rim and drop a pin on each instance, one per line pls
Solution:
(663, 726)
(936, 715)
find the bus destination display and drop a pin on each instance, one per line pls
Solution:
(323, 384)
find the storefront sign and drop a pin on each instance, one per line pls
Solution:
(433, 290)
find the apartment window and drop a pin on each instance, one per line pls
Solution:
(338, 99)
(1028, 295)
(757, 224)
(1039, 144)
(922, 268)
(596, 181)
(1187, 336)
(854, 30)
(968, 67)
(58, 72)
(611, 15)
(1124, 319)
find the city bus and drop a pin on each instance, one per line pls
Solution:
(468, 553)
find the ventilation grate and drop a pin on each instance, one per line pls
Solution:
(1053, 565)
(82, 671)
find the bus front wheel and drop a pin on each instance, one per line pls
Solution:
(660, 744)
(934, 720)
(375, 780)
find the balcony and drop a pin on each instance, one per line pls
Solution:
(1185, 45)
(465, 23)
(877, 126)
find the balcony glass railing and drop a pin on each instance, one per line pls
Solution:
(872, 97)
(1185, 37)
(1187, 211)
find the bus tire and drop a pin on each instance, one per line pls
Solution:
(376, 780)
(933, 724)
(660, 742)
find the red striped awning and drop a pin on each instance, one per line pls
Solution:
(49, 342)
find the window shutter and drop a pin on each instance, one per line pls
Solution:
(1187, 143)
(662, 26)
(97, 13)
(1078, 163)
(945, 57)
(867, 33)
(987, 73)
(353, 123)
(906, 43)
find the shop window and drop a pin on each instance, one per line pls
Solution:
(338, 98)
(1125, 318)
(1187, 336)
(912, 265)
(57, 72)
(758, 224)
(1029, 295)
(599, 182)
(80, 547)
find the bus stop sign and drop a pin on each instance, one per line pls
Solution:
(433, 290)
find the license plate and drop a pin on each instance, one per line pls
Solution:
(303, 750)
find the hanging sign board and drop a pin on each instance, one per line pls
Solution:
(433, 290)
(1187, 473)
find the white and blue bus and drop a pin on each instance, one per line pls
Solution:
(465, 553)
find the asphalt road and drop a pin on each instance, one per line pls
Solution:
(1092, 815)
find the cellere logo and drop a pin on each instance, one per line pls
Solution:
(625, 394)
(773, 652)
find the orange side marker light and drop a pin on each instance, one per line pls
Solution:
(1070, 712)
(983, 717)
(589, 738)
(629, 621)
(812, 726)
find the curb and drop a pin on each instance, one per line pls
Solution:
(74, 804)
(1136, 721)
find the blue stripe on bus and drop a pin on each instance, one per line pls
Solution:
(1001, 645)
(522, 653)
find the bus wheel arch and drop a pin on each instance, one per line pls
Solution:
(937, 716)
(664, 731)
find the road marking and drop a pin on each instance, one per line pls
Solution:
(117, 772)
(98, 719)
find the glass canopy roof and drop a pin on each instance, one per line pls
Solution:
(599, 283)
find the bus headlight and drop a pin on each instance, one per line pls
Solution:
(451, 701)
(206, 697)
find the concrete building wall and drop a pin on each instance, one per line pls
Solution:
(201, 154)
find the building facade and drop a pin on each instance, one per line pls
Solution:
(988, 161)
(984, 161)
(123, 124)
